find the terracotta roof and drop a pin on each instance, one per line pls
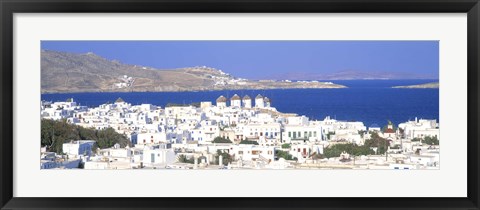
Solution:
(246, 97)
(235, 97)
(389, 130)
(221, 99)
(267, 99)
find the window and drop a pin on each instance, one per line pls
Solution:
(310, 134)
(314, 133)
(289, 134)
(240, 152)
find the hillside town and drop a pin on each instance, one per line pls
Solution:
(235, 133)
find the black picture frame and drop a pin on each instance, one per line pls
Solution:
(10, 7)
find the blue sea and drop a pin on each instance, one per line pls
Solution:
(369, 101)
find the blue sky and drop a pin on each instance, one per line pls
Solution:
(262, 59)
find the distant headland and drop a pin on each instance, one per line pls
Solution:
(426, 85)
(63, 72)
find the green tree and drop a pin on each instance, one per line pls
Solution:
(184, 159)
(226, 158)
(286, 146)
(361, 133)
(336, 149)
(395, 147)
(353, 149)
(219, 139)
(377, 141)
(47, 133)
(329, 134)
(416, 139)
(285, 155)
(54, 133)
(431, 140)
(402, 132)
(248, 142)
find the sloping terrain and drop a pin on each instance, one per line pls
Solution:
(70, 72)
(426, 85)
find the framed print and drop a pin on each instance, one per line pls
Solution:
(239, 105)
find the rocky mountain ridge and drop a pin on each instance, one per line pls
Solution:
(69, 72)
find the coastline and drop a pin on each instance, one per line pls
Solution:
(331, 86)
(432, 85)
